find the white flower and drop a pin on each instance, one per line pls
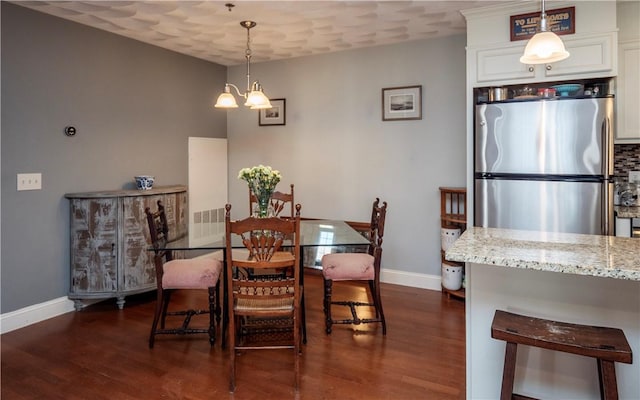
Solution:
(262, 179)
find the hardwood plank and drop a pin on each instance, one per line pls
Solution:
(101, 353)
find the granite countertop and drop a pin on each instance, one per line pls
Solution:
(594, 255)
(627, 212)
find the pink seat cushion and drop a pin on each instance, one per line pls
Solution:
(348, 266)
(196, 273)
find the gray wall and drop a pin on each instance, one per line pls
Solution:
(122, 94)
(134, 107)
(340, 154)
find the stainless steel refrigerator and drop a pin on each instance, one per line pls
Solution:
(545, 165)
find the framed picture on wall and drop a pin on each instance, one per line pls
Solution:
(402, 103)
(276, 115)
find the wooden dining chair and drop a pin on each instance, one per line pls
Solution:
(264, 311)
(201, 273)
(357, 267)
(279, 201)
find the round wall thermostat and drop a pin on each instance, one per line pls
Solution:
(70, 131)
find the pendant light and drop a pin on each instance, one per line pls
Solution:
(545, 46)
(254, 96)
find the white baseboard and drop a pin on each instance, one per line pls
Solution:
(411, 279)
(38, 312)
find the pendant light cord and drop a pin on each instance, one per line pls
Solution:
(247, 54)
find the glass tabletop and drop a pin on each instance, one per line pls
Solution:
(313, 233)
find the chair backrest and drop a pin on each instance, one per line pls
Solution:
(272, 243)
(263, 237)
(376, 231)
(278, 202)
(158, 230)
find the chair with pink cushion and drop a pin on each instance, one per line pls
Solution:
(200, 273)
(363, 267)
(264, 310)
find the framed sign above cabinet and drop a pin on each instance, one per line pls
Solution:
(561, 21)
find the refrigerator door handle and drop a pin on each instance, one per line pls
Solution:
(607, 192)
(607, 147)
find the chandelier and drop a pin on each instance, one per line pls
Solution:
(254, 96)
(544, 46)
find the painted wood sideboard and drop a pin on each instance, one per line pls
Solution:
(109, 240)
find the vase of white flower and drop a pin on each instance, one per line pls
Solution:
(262, 181)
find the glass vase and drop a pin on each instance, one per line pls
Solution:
(262, 207)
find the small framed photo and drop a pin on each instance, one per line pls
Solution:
(402, 103)
(276, 115)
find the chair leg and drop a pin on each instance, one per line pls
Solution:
(232, 353)
(607, 378)
(212, 314)
(218, 307)
(225, 310)
(328, 283)
(296, 349)
(166, 293)
(377, 299)
(156, 316)
(372, 288)
(509, 371)
(303, 321)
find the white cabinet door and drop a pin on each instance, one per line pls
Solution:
(494, 65)
(592, 56)
(628, 123)
(589, 55)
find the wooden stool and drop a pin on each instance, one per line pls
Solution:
(607, 345)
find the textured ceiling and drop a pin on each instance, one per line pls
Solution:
(285, 29)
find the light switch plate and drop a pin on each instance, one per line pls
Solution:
(634, 176)
(29, 181)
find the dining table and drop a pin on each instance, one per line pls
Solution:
(317, 237)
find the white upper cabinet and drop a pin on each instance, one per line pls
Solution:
(628, 106)
(493, 59)
(627, 129)
(592, 56)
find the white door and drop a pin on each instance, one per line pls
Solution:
(207, 189)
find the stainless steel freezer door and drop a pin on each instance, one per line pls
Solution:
(568, 137)
(548, 206)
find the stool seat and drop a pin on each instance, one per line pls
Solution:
(607, 345)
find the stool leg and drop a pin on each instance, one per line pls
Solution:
(607, 376)
(509, 372)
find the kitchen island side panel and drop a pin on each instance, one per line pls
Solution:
(550, 295)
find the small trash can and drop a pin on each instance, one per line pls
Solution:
(451, 276)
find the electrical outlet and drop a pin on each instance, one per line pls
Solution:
(634, 176)
(29, 181)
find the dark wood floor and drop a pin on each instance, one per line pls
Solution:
(101, 353)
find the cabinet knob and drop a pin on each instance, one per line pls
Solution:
(548, 67)
(482, 123)
(530, 68)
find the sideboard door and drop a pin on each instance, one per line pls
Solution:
(138, 271)
(94, 238)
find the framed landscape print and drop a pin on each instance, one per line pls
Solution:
(275, 115)
(402, 103)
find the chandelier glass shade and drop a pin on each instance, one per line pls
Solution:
(545, 46)
(253, 95)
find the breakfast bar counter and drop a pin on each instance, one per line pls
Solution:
(581, 279)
